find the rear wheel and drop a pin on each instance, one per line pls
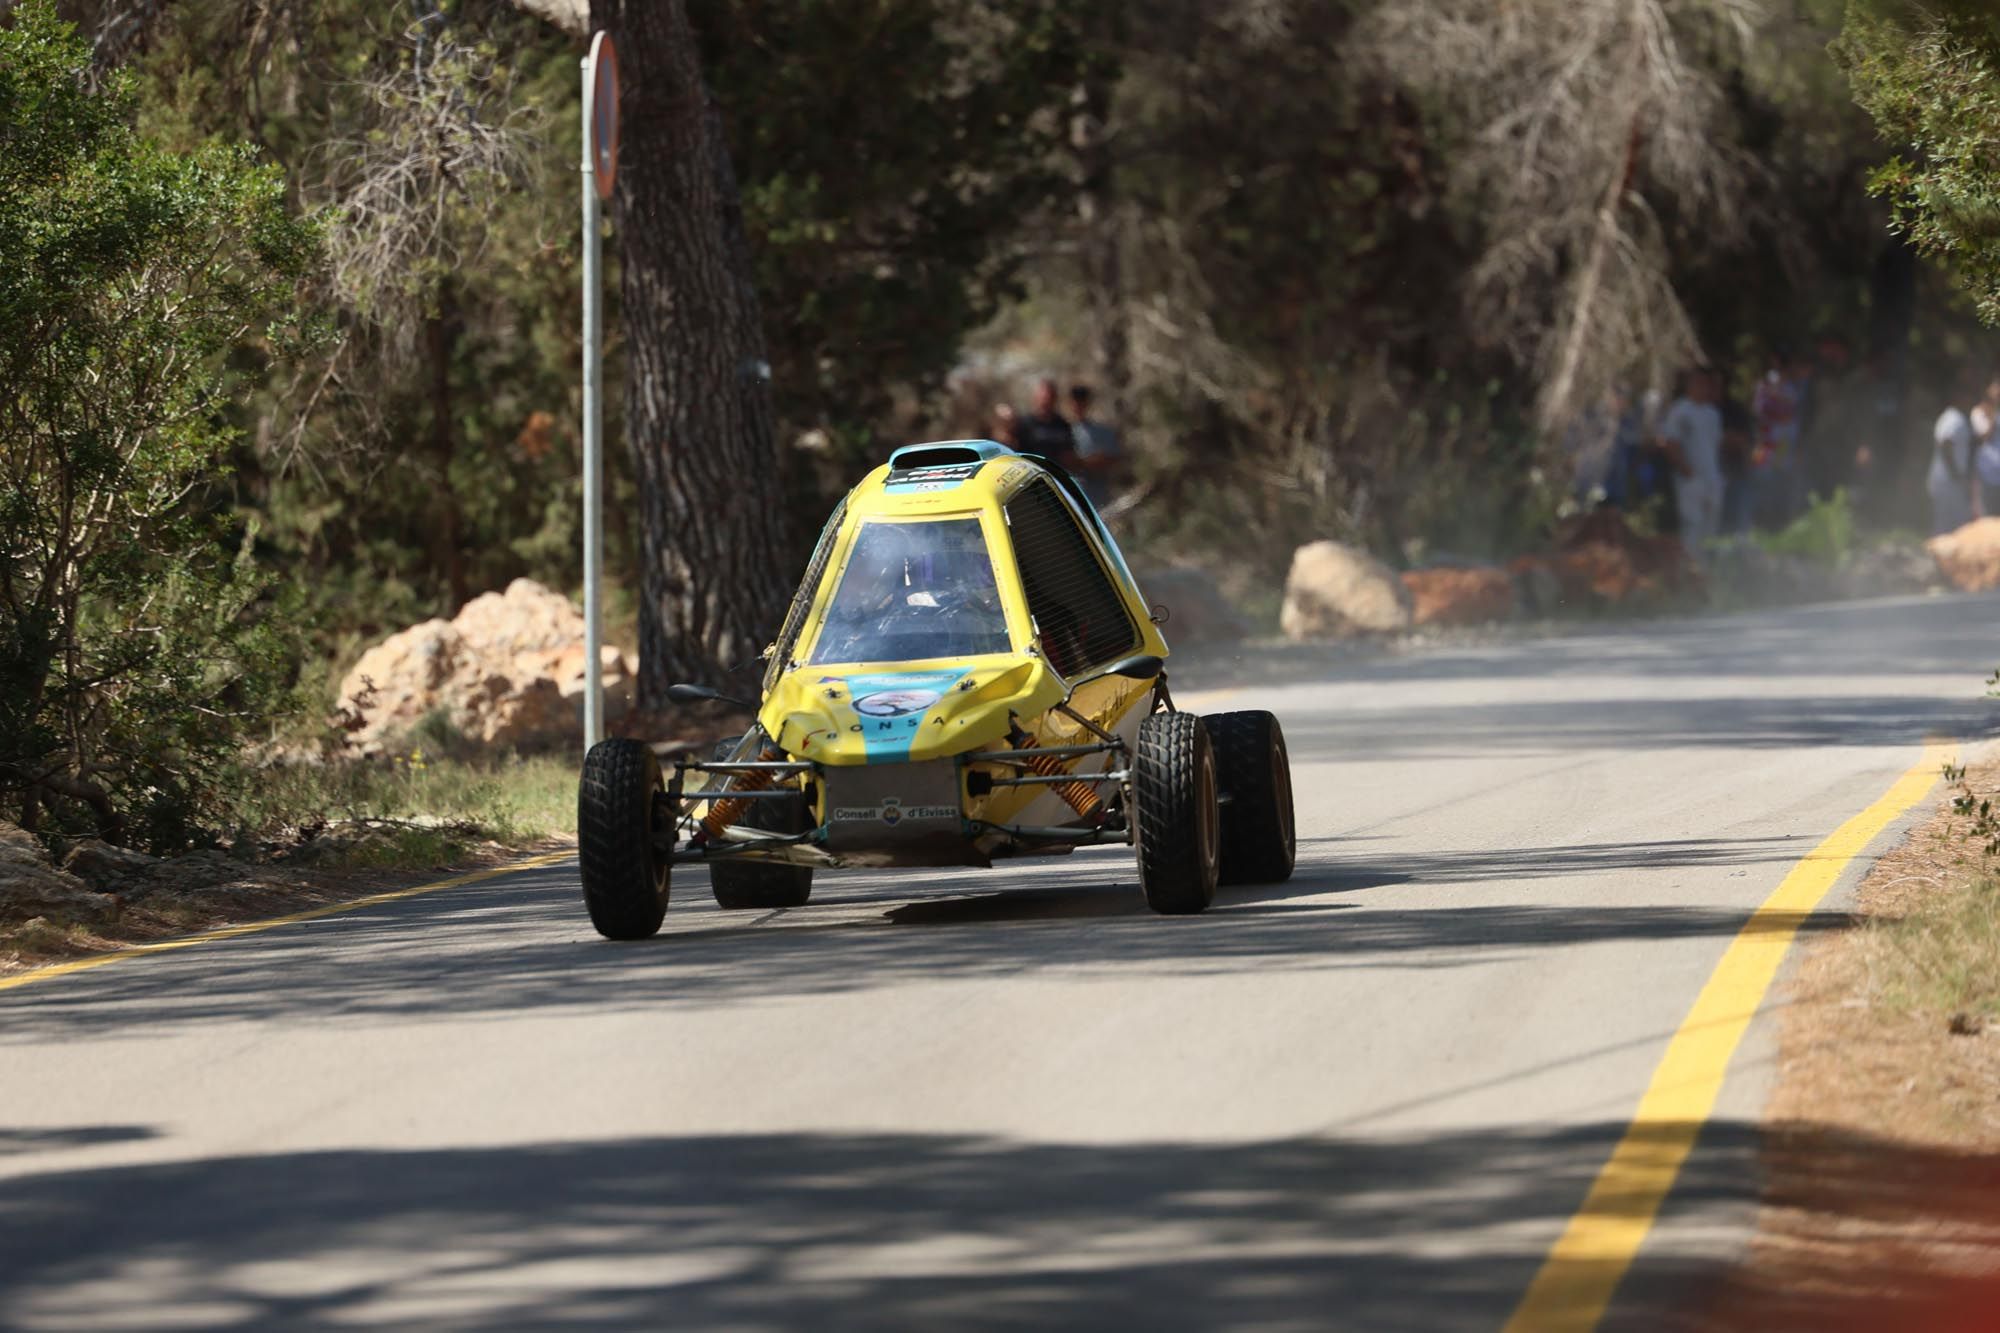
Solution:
(1178, 826)
(1259, 844)
(618, 802)
(741, 885)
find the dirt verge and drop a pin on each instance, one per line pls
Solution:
(220, 893)
(1881, 1149)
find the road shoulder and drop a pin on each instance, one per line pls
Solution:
(239, 899)
(1881, 1142)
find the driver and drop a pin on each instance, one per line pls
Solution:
(909, 593)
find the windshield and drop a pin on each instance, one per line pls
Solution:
(912, 591)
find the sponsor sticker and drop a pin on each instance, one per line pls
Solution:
(895, 703)
(891, 813)
(941, 478)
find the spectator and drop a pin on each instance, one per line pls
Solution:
(1691, 434)
(1951, 481)
(1096, 452)
(1590, 442)
(1006, 426)
(1045, 431)
(1835, 420)
(1800, 374)
(1624, 483)
(1985, 419)
(1651, 477)
(1621, 471)
(1739, 481)
(1778, 406)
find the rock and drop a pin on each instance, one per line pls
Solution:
(508, 671)
(30, 887)
(1890, 570)
(1536, 586)
(18, 847)
(1598, 560)
(1197, 612)
(1475, 595)
(193, 872)
(104, 867)
(1769, 578)
(1970, 556)
(527, 618)
(1336, 591)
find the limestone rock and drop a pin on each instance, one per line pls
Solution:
(1969, 556)
(104, 867)
(1476, 595)
(30, 887)
(1890, 569)
(1337, 591)
(508, 671)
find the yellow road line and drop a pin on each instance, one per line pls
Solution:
(1576, 1281)
(272, 923)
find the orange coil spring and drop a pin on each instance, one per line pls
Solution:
(726, 811)
(1082, 797)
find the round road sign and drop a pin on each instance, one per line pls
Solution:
(601, 114)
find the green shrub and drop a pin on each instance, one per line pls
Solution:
(1824, 533)
(139, 642)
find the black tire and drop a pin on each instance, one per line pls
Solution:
(750, 885)
(1259, 844)
(1178, 829)
(625, 881)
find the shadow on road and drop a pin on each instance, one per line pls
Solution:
(845, 1231)
(18, 1142)
(524, 945)
(819, 1231)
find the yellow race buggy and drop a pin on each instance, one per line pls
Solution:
(967, 672)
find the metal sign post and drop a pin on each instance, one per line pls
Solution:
(600, 171)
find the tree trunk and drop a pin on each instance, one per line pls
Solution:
(1100, 245)
(440, 336)
(1556, 408)
(698, 414)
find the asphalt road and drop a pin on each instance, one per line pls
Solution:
(1367, 1099)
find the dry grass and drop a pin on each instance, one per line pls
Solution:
(1882, 1140)
(317, 834)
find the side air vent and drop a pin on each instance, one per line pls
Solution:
(945, 453)
(939, 455)
(1080, 612)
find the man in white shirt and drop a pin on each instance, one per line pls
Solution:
(1691, 432)
(1950, 482)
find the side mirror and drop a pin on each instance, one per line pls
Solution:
(698, 694)
(1139, 666)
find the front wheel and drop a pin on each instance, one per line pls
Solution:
(1259, 844)
(1178, 827)
(618, 803)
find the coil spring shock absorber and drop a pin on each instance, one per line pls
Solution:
(1081, 796)
(726, 810)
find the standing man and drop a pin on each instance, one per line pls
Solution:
(1985, 418)
(1097, 452)
(1691, 434)
(1045, 431)
(1951, 480)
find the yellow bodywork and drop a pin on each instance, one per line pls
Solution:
(809, 710)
